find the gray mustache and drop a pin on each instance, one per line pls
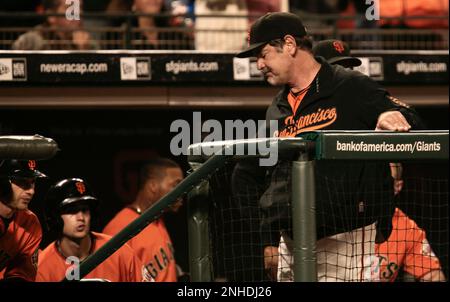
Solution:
(265, 70)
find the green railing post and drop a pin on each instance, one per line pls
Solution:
(304, 219)
(198, 229)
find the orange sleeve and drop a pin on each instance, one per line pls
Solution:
(111, 229)
(420, 258)
(24, 265)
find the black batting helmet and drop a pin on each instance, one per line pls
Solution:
(15, 168)
(336, 52)
(64, 193)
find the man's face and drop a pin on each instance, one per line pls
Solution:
(172, 178)
(22, 193)
(275, 64)
(77, 221)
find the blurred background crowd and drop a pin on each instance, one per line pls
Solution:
(215, 24)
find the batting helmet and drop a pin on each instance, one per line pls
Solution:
(336, 52)
(66, 192)
(14, 168)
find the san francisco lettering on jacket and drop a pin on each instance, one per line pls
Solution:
(319, 119)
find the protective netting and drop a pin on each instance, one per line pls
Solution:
(365, 232)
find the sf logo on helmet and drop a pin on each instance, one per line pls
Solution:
(80, 187)
(32, 164)
(338, 46)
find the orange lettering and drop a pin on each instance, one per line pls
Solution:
(332, 114)
(32, 164)
(321, 117)
(308, 122)
(80, 187)
(289, 120)
(301, 122)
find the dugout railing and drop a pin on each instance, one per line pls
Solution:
(27, 147)
(207, 158)
(120, 31)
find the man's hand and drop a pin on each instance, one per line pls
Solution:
(271, 261)
(398, 186)
(434, 276)
(392, 120)
(397, 172)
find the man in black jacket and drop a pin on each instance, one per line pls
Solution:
(317, 96)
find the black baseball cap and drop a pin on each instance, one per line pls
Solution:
(270, 27)
(20, 168)
(336, 52)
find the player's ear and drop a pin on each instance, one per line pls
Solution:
(291, 44)
(152, 185)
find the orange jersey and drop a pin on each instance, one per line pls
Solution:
(122, 266)
(152, 245)
(19, 247)
(354, 255)
(406, 247)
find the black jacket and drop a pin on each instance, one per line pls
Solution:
(348, 195)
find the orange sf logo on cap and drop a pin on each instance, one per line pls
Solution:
(80, 187)
(338, 46)
(32, 164)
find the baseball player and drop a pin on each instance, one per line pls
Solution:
(153, 244)
(70, 207)
(20, 230)
(356, 255)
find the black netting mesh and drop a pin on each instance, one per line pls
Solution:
(365, 231)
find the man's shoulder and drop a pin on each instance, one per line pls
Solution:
(47, 254)
(102, 238)
(349, 75)
(120, 220)
(353, 81)
(280, 97)
(27, 220)
(31, 40)
(27, 215)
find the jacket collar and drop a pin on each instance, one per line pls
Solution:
(324, 84)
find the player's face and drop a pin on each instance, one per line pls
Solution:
(274, 64)
(22, 193)
(77, 221)
(172, 178)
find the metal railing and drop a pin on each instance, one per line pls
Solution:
(119, 31)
